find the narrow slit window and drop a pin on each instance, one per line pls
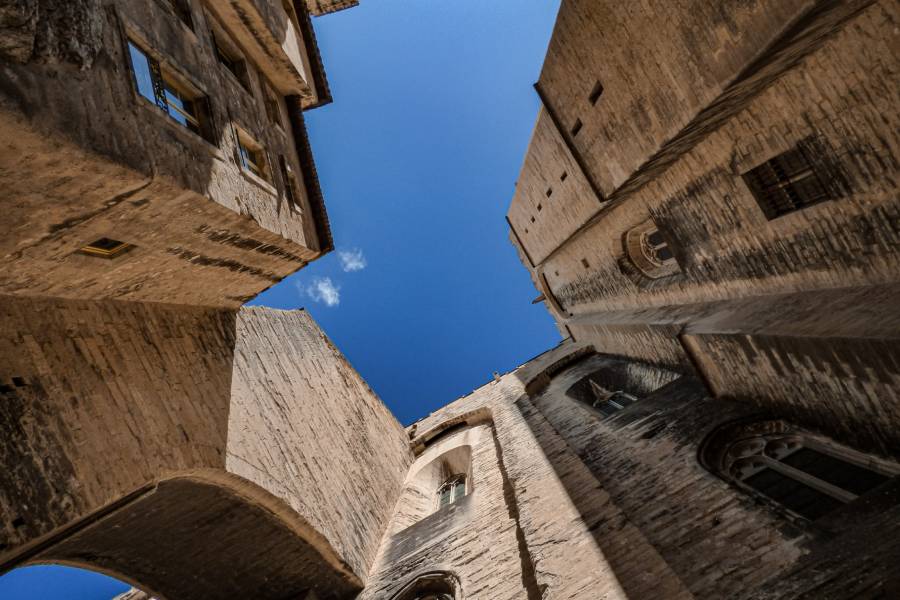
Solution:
(585, 263)
(576, 128)
(159, 85)
(182, 10)
(549, 192)
(596, 93)
(273, 108)
(291, 192)
(789, 182)
(563, 176)
(106, 248)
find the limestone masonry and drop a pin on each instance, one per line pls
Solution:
(708, 208)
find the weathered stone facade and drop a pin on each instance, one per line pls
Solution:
(720, 423)
(89, 155)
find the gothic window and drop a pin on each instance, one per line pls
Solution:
(591, 391)
(648, 250)
(434, 586)
(451, 490)
(808, 475)
(790, 181)
(161, 86)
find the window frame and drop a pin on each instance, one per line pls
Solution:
(165, 78)
(228, 54)
(644, 254)
(451, 484)
(246, 147)
(780, 431)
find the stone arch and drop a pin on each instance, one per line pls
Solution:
(440, 584)
(201, 534)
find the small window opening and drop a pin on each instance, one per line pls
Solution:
(18, 382)
(539, 207)
(585, 263)
(808, 475)
(549, 192)
(291, 189)
(790, 182)
(532, 219)
(106, 248)
(563, 176)
(451, 490)
(273, 107)
(252, 156)
(576, 128)
(596, 93)
(230, 58)
(182, 10)
(18, 522)
(648, 250)
(159, 85)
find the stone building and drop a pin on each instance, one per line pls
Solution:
(156, 142)
(708, 208)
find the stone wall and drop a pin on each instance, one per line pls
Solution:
(88, 157)
(116, 414)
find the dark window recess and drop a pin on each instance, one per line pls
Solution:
(596, 93)
(532, 219)
(793, 495)
(18, 382)
(845, 475)
(18, 522)
(549, 192)
(585, 264)
(230, 58)
(290, 184)
(576, 128)
(539, 207)
(190, 110)
(563, 176)
(792, 181)
(182, 10)
(106, 248)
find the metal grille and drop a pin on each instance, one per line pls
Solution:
(788, 182)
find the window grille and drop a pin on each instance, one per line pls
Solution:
(451, 490)
(157, 85)
(789, 182)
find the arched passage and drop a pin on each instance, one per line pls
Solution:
(200, 536)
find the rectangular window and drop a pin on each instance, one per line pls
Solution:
(789, 182)
(273, 107)
(290, 185)
(106, 248)
(252, 156)
(182, 10)
(186, 107)
(596, 93)
(576, 128)
(230, 57)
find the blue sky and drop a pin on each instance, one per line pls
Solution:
(418, 158)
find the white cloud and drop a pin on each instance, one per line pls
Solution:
(352, 260)
(322, 289)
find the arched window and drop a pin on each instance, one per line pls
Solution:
(433, 586)
(649, 252)
(451, 490)
(807, 474)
